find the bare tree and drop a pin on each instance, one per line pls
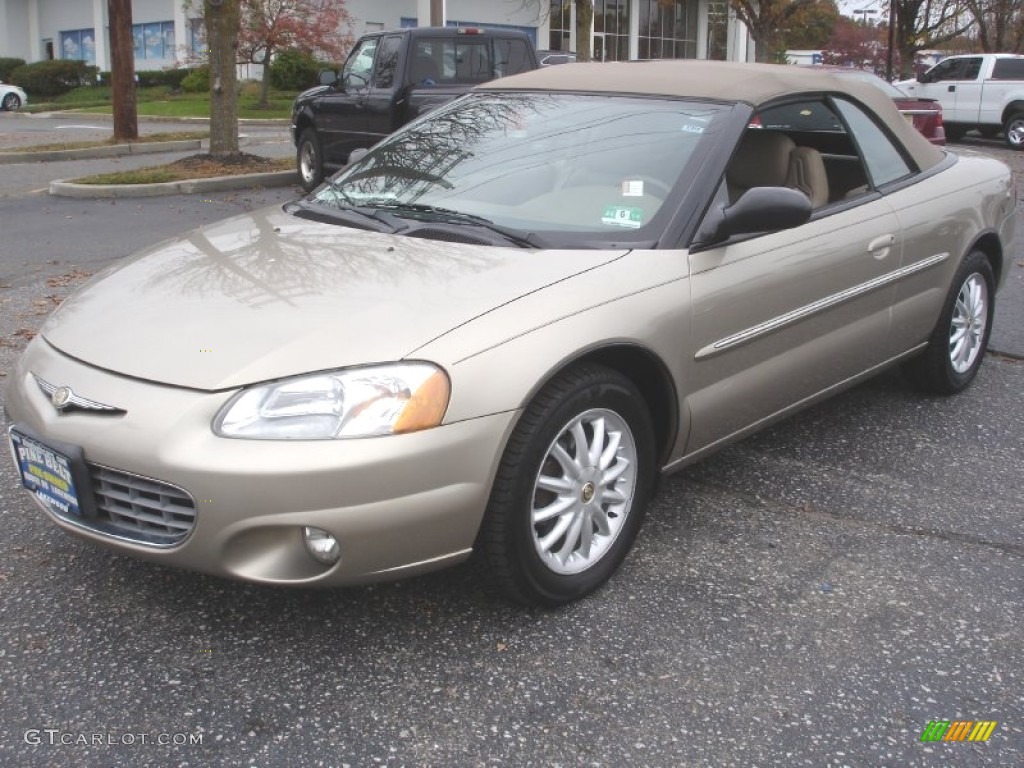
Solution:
(924, 24)
(999, 24)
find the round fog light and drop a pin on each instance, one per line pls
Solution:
(321, 546)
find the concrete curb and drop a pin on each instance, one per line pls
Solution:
(115, 150)
(72, 115)
(62, 188)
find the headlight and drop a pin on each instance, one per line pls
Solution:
(355, 402)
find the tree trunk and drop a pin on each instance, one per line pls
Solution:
(122, 70)
(584, 22)
(265, 82)
(222, 37)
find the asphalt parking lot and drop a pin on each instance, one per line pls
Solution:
(813, 596)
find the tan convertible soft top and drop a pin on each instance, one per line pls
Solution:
(753, 84)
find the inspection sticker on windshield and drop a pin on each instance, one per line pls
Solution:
(632, 188)
(620, 216)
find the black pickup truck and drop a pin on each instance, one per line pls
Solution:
(390, 78)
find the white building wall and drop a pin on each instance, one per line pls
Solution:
(14, 43)
(26, 24)
(370, 15)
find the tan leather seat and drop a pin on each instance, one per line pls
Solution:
(769, 159)
(807, 173)
(761, 160)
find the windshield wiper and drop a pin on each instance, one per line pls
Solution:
(450, 216)
(348, 214)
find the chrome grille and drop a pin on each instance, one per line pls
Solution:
(139, 508)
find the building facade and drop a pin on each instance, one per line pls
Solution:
(168, 33)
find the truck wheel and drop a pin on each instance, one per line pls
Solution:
(1013, 131)
(954, 132)
(309, 159)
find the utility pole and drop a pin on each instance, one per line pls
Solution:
(122, 70)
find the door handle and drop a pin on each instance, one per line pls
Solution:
(879, 247)
(952, 89)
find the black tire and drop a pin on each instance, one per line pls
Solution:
(988, 131)
(1013, 131)
(12, 102)
(309, 160)
(510, 540)
(954, 132)
(970, 302)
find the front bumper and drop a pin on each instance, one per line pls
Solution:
(398, 505)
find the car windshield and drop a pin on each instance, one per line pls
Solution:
(536, 162)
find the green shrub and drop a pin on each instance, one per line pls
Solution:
(7, 66)
(197, 81)
(52, 78)
(295, 71)
(169, 77)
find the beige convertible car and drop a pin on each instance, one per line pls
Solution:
(492, 331)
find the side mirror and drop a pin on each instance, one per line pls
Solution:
(327, 77)
(759, 209)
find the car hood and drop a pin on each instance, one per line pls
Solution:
(268, 295)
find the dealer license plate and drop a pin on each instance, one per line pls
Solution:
(46, 473)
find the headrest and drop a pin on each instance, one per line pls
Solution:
(762, 160)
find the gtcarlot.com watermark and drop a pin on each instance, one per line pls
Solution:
(55, 737)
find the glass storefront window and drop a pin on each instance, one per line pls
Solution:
(560, 22)
(668, 30)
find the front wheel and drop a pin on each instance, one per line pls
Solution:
(309, 160)
(11, 102)
(1013, 131)
(957, 345)
(571, 490)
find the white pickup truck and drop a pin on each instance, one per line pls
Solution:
(983, 91)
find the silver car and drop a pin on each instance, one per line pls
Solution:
(496, 328)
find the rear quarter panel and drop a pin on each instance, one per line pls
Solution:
(950, 212)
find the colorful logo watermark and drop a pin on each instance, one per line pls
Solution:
(958, 730)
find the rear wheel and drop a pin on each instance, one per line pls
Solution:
(11, 102)
(309, 159)
(1013, 131)
(957, 346)
(571, 490)
(954, 132)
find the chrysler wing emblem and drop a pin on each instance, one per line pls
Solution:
(65, 399)
(61, 397)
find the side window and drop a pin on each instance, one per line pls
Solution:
(1008, 69)
(884, 161)
(387, 62)
(510, 57)
(944, 70)
(473, 62)
(356, 73)
(972, 68)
